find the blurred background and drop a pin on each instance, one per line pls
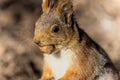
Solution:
(20, 58)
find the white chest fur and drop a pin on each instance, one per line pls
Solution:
(59, 63)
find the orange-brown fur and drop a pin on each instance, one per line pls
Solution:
(87, 60)
(45, 6)
(69, 73)
(47, 73)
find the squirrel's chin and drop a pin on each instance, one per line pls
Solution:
(47, 49)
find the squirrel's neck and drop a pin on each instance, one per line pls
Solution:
(90, 56)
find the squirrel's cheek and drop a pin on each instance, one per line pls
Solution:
(46, 49)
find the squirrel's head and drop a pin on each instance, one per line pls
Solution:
(53, 28)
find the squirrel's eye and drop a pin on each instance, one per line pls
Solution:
(55, 29)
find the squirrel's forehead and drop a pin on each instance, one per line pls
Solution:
(48, 15)
(47, 20)
(43, 24)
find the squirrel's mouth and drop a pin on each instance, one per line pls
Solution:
(47, 49)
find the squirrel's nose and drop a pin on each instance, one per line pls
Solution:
(37, 42)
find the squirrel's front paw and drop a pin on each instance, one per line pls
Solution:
(51, 78)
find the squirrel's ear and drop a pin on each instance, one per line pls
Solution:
(65, 9)
(45, 5)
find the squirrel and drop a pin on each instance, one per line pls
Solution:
(69, 53)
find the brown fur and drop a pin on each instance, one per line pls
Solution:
(88, 62)
(47, 71)
(45, 5)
